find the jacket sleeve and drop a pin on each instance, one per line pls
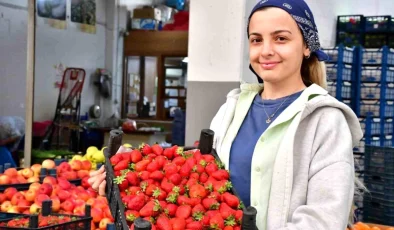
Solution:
(331, 178)
(216, 123)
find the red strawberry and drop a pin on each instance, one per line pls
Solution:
(126, 156)
(178, 223)
(135, 156)
(231, 200)
(144, 175)
(226, 211)
(115, 159)
(185, 170)
(208, 158)
(191, 182)
(175, 178)
(203, 177)
(215, 195)
(216, 222)
(133, 190)
(205, 220)
(197, 155)
(122, 183)
(145, 149)
(151, 208)
(161, 160)
(170, 169)
(210, 203)
(183, 200)
(170, 209)
(195, 225)
(157, 175)
(172, 197)
(150, 189)
(179, 161)
(237, 227)
(157, 149)
(131, 215)
(122, 165)
(118, 173)
(198, 169)
(211, 168)
(221, 174)
(166, 185)
(159, 194)
(153, 166)
(195, 201)
(221, 186)
(238, 216)
(189, 220)
(169, 153)
(132, 178)
(163, 223)
(141, 166)
(191, 162)
(183, 211)
(197, 191)
(195, 176)
(178, 151)
(198, 212)
(228, 228)
(136, 203)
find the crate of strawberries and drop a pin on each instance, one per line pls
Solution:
(47, 220)
(154, 188)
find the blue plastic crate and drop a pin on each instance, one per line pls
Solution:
(375, 74)
(370, 91)
(340, 54)
(388, 141)
(360, 147)
(388, 126)
(388, 109)
(377, 23)
(345, 91)
(382, 56)
(369, 108)
(373, 125)
(335, 72)
(350, 23)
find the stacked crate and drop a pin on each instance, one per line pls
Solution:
(377, 31)
(350, 30)
(379, 179)
(375, 95)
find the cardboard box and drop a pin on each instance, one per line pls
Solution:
(144, 24)
(147, 13)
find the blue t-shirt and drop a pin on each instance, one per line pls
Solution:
(244, 143)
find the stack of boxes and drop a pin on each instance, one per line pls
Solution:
(147, 18)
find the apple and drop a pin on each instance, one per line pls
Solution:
(45, 189)
(33, 179)
(84, 195)
(107, 213)
(40, 198)
(11, 172)
(71, 175)
(48, 164)
(55, 204)
(49, 180)
(82, 173)
(90, 201)
(2, 198)
(21, 179)
(23, 205)
(63, 167)
(63, 195)
(17, 197)
(76, 165)
(35, 208)
(19, 172)
(91, 192)
(5, 179)
(30, 195)
(27, 173)
(64, 183)
(85, 183)
(99, 204)
(13, 209)
(56, 189)
(96, 214)
(27, 212)
(36, 169)
(14, 180)
(103, 199)
(9, 192)
(67, 205)
(103, 223)
(6, 205)
(86, 165)
(34, 186)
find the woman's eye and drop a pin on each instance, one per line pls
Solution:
(281, 39)
(255, 40)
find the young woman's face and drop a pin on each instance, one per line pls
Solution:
(276, 46)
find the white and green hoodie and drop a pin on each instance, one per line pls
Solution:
(302, 167)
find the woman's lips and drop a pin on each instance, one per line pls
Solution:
(268, 65)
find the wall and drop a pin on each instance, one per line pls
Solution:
(13, 43)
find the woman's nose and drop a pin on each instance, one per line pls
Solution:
(267, 49)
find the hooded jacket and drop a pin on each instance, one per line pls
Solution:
(302, 171)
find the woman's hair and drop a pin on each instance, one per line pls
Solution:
(314, 71)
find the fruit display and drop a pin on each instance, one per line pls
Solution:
(175, 189)
(93, 154)
(364, 226)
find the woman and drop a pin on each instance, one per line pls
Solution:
(287, 143)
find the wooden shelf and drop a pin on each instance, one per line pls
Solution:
(156, 43)
(174, 87)
(173, 97)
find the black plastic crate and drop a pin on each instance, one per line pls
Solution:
(377, 23)
(77, 222)
(350, 23)
(379, 157)
(113, 193)
(390, 40)
(375, 40)
(350, 39)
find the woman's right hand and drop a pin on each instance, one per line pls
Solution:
(97, 178)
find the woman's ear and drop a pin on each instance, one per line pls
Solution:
(307, 52)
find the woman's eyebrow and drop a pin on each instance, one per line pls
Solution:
(273, 33)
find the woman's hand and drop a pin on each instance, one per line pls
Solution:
(97, 178)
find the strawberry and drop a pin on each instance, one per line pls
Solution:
(210, 203)
(237, 227)
(126, 156)
(205, 220)
(115, 159)
(197, 155)
(135, 156)
(117, 173)
(215, 195)
(151, 208)
(211, 168)
(216, 222)
(172, 197)
(145, 149)
(185, 170)
(198, 168)
(136, 203)
(183, 211)
(178, 223)
(183, 200)
(194, 175)
(169, 153)
(226, 211)
(191, 162)
(231, 200)
(203, 177)
(228, 228)
(197, 191)
(191, 182)
(221, 174)
(195, 225)
(170, 169)
(208, 158)
(121, 182)
(198, 212)
(179, 160)
(178, 151)
(175, 179)
(238, 216)
(123, 164)
(150, 189)
(163, 223)
(141, 165)
(157, 149)
(161, 160)
(189, 220)
(195, 201)
(157, 175)
(131, 215)
(221, 186)
(132, 178)
(153, 166)
(170, 210)
(166, 185)
(159, 194)
(133, 190)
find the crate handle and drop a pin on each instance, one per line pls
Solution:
(249, 219)
(115, 141)
(46, 207)
(206, 141)
(141, 224)
(33, 221)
